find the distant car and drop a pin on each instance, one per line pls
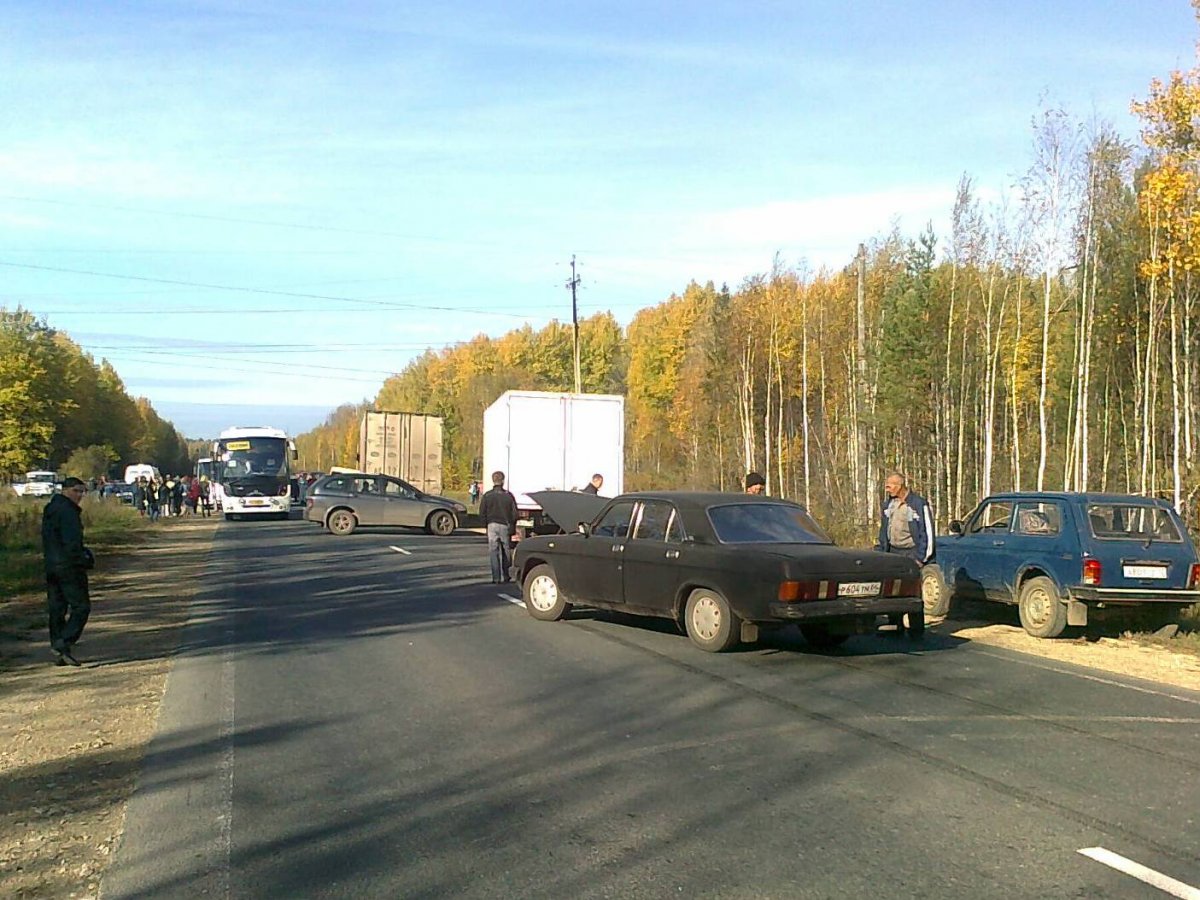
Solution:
(120, 490)
(344, 501)
(722, 565)
(38, 483)
(1059, 556)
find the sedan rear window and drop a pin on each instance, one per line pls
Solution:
(765, 523)
(1129, 522)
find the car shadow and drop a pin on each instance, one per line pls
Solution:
(787, 638)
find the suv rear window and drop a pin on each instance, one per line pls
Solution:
(1130, 522)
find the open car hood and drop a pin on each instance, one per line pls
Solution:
(569, 508)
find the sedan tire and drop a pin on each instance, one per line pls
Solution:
(1043, 615)
(440, 523)
(341, 522)
(934, 591)
(543, 599)
(709, 621)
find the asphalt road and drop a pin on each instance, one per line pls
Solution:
(348, 720)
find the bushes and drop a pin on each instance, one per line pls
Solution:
(105, 523)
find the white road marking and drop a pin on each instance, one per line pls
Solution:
(401, 550)
(1097, 678)
(511, 599)
(1136, 870)
(226, 728)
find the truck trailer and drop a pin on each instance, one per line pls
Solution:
(553, 441)
(404, 445)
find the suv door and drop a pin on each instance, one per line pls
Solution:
(1039, 537)
(400, 503)
(368, 500)
(978, 552)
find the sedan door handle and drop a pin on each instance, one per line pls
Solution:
(997, 543)
(617, 548)
(672, 554)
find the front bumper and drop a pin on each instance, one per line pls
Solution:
(844, 607)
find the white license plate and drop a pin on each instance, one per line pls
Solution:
(256, 502)
(859, 589)
(1145, 571)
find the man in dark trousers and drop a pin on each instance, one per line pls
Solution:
(498, 509)
(67, 562)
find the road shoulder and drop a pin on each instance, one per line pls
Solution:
(73, 739)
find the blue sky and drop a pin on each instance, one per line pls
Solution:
(248, 206)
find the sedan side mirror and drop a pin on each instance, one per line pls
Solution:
(584, 528)
(956, 527)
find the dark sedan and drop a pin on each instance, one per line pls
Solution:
(722, 565)
(346, 500)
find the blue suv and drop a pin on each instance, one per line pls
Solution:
(1060, 555)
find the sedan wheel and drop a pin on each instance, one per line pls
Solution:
(1042, 613)
(440, 523)
(709, 621)
(342, 522)
(542, 596)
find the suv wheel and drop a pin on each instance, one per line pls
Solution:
(1042, 614)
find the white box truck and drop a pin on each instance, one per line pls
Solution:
(554, 441)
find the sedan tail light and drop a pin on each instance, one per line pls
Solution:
(1091, 571)
(1194, 578)
(791, 591)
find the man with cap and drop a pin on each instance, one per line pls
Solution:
(67, 562)
(755, 484)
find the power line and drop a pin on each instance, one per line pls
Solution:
(250, 290)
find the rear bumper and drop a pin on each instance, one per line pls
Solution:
(1094, 596)
(813, 610)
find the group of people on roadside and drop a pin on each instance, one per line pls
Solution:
(172, 495)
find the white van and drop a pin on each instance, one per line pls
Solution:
(140, 470)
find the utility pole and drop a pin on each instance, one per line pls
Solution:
(573, 284)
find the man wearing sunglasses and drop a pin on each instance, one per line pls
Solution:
(67, 562)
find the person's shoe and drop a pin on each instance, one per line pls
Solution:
(68, 660)
(58, 659)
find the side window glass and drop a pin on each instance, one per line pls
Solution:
(339, 484)
(1038, 518)
(653, 522)
(675, 532)
(615, 522)
(364, 485)
(396, 489)
(992, 518)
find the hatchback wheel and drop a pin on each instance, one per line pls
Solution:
(342, 522)
(440, 523)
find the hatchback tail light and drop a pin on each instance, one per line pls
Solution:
(1091, 571)
(1194, 578)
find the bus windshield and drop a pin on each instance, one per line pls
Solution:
(253, 457)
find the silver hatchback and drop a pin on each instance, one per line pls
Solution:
(344, 501)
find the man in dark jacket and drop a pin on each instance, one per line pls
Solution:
(498, 509)
(67, 562)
